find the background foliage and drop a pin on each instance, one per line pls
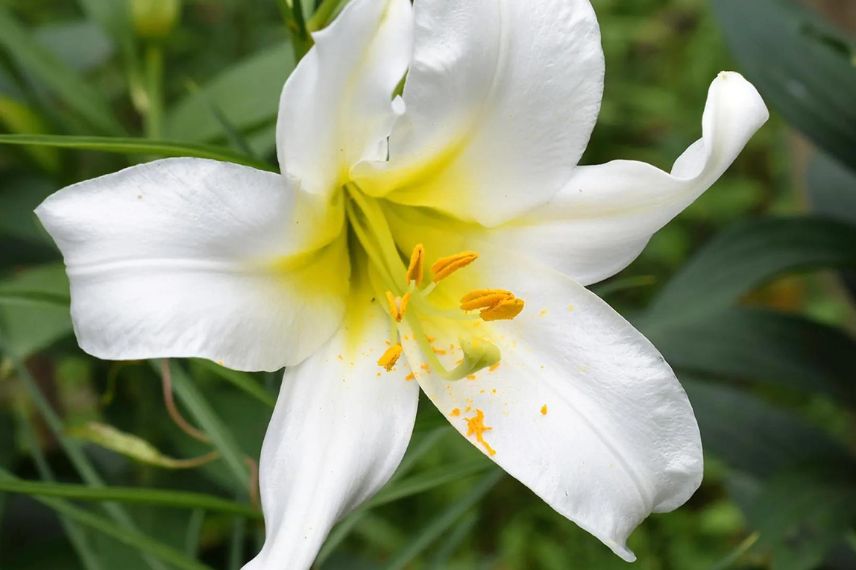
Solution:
(749, 295)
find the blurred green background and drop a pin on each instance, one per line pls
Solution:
(749, 295)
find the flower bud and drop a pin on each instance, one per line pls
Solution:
(155, 19)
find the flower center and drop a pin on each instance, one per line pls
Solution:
(410, 298)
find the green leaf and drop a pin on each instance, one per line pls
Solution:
(241, 380)
(753, 344)
(131, 495)
(136, 146)
(246, 94)
(133, 446)
(79, 44)
(745, 256)
(33, 311)
(39, 62)
(801, 515)
(436, 527)
(221, 436)
(426, 481)
(130, 537)
(786, 52)
(756, 437)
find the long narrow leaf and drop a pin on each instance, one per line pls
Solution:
(63, 81)
(107, 527)
(133, 495)
(443, 522)
(208, 421)
(136, 146)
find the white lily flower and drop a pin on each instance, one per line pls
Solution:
(441, 240)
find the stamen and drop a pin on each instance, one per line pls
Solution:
(393, 307)
(415, 271)
(504, 311)
(476, 427)
(397, 305)
(402, 307)
(390, 357)
(445, 266)
(495, 304)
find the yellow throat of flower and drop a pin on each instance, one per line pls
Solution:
(408, 297)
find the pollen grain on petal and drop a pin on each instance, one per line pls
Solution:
(390, 357)
(416, 268)
(544, 410)
(446, 266)
(477, 428)
(455, 412)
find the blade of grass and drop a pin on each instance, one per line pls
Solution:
(133, 495)
(440, 524)
(77, 537)
(208, 421)
(73, 450)
(123, 535)
(194, 532)
(239, 380)
(137, 146)
(426, 481)
(63, 81)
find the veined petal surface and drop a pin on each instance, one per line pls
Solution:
(581, 408)
(604, 216)
(338, 433)
(336, 108)
(191, 257)
(500, 101)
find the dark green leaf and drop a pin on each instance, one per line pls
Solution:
(745, 256)
(753, 436)
(753, 344)
(785, 51)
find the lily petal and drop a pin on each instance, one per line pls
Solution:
(603, 218)
(500, 101)
(339, 431)
(581, 408)
(190, 257)
(336, 108)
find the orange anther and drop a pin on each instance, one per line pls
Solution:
(445, 266)
(416, 270)
(390, 357)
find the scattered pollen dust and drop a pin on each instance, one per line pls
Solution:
(476, 427)
(544, 410)
(410, 377)
(543, 313)
(455, 412)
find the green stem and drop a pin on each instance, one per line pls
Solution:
(323, 15)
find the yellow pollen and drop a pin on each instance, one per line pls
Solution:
(410, 377)
(494, 304)
(390, 357)
(544, 410)
(415, 270)
(455, 412)
(476, 427)
(445, 266)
